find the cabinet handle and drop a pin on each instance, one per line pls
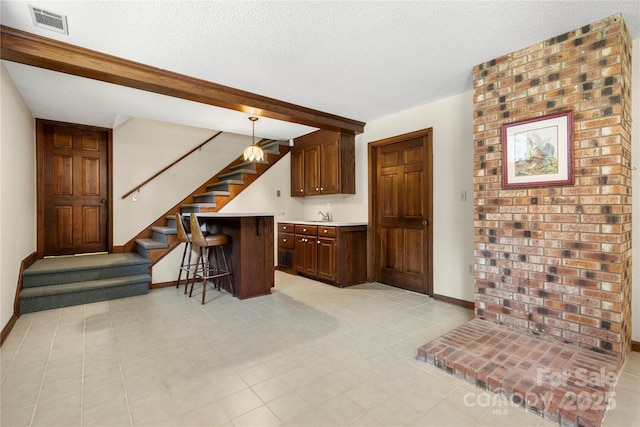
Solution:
(318, 242)
(316, 188)
(284, 228)
(301, 190)
(304, 229)
(321, 188)
(284, 240)
(325, 231)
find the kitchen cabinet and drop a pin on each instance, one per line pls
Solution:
(318, 248)
(323, 162)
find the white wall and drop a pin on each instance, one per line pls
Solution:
(17, 190)
(452, 222)
(635, 160)
(141, 148)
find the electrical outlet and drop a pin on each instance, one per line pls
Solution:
(470, 270)
(277, 193)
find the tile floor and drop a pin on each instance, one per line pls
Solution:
(308, 355)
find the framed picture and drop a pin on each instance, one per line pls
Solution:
(538, 151)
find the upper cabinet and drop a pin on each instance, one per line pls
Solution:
(323, 162)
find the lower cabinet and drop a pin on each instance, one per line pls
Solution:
(317, 249)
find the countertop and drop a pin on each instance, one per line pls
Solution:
(326, 223)
(233, 214)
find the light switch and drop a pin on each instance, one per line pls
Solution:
(463, 195)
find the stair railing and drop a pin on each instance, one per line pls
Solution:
(148, 180)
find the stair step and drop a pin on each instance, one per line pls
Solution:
(210, 196)
(196, 207)
(67, 294)
(161, 234)
(224, 185)
(237, 174)
(54, 271)
(171, 221)
(164, 229)
(150, 243)
(247, 165)
(273, 147)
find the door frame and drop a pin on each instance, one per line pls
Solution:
(40, 219)
(373, 255)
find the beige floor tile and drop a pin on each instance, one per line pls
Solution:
(259, 417)
(271, 389)
(211, 414)
(289, 406)
(341, 410)
(240, 403)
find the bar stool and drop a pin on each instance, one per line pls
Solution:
(207, 270)
(184, 237)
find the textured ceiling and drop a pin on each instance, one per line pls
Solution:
(357, 59)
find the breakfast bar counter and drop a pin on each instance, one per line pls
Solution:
(251, 249)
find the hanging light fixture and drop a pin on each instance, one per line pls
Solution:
(253, 153)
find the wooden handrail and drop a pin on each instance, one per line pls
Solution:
(169, 166)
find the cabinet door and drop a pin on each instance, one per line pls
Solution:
(330, 168)
(301, 253)
(312, 256)
(327, 258)
(312, 170)
(297, 173)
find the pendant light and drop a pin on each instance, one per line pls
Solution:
(253, 153)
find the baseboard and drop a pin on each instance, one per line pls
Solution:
(455, 301)
(635, 346)
(162, 285)
(24, 264)
(8, 327)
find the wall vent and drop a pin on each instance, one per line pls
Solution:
(49, 20)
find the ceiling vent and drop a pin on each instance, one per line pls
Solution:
(49, 20)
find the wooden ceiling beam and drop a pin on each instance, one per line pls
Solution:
(30, 49)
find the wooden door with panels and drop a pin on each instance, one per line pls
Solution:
(74, 188)
(400, 211)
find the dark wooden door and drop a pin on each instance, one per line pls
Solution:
(402, 212)
(73, 214)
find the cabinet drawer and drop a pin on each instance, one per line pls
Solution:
(326, 232)
(286, 240)
(307, 230)
(285, 227)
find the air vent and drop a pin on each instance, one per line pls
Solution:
(49, 20)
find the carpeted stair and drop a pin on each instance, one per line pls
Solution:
(65, 281)
(164, 239)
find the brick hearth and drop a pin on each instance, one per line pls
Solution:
(564, 383)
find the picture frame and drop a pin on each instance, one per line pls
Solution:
(538, 151)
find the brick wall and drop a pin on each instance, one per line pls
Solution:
(557, 260)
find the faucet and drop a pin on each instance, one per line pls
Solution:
(325, 217)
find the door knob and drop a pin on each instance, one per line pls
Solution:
(425, 223)
(103, 201)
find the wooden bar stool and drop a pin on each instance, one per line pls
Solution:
(207, 269)
(187, 267)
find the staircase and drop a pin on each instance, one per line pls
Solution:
(160, 238)
(65, 281)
